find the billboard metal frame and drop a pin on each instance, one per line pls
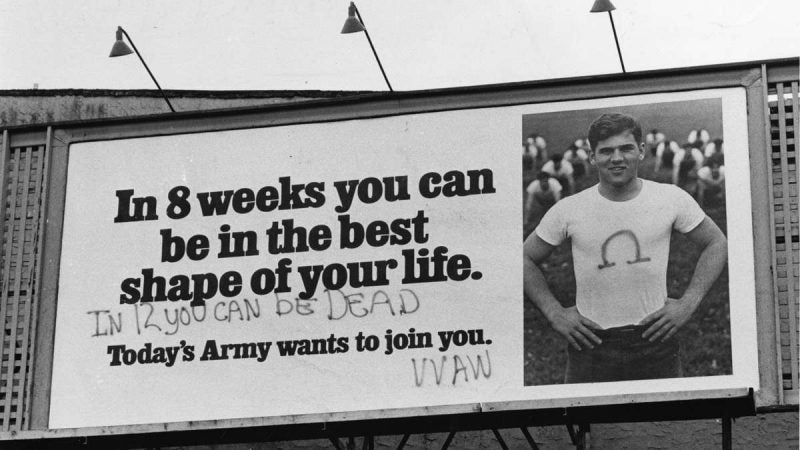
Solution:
(754, 77)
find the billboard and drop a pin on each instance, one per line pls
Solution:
(364, 265)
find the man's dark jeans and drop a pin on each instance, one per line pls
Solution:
(624, 356)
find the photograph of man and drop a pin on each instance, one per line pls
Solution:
(623, 323)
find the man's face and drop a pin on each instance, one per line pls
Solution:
(617, 159)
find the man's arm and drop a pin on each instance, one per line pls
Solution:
(568, 322)
(676, 312)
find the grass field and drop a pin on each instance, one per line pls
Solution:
(705, 339)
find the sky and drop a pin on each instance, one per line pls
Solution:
(423, 44)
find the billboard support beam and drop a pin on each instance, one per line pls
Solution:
(726, 430)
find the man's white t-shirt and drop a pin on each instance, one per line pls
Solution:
(620, 250)
(704, 173)
(565, 169)
(536, 187)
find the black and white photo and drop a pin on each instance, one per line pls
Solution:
(625, 251)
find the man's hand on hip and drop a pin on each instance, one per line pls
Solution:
(665, 322)
(576, 328)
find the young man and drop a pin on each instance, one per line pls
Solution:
(542, 193)
(711, 181)
(622, 324)
(562, 170)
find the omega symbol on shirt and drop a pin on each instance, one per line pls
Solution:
(639, 258)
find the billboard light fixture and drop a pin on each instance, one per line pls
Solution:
(355, 24)
(120, 48)
(606, 6)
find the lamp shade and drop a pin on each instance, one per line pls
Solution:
(602, 6)
(352, 24)
(120, 48)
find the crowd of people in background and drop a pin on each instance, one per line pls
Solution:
(697, 166)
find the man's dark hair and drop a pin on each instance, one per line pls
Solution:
(612, 124)
(717, 158)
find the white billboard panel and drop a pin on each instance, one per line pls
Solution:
(357, 265)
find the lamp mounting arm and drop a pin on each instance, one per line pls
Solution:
(146, 68)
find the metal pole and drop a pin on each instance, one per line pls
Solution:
(499, 438)
(727, 435)
(529, 438)
(403, 442)
(373, 48)
(614, 29)
(148, 69)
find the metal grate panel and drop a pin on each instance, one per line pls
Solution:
(23, 178)
(784, 117)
